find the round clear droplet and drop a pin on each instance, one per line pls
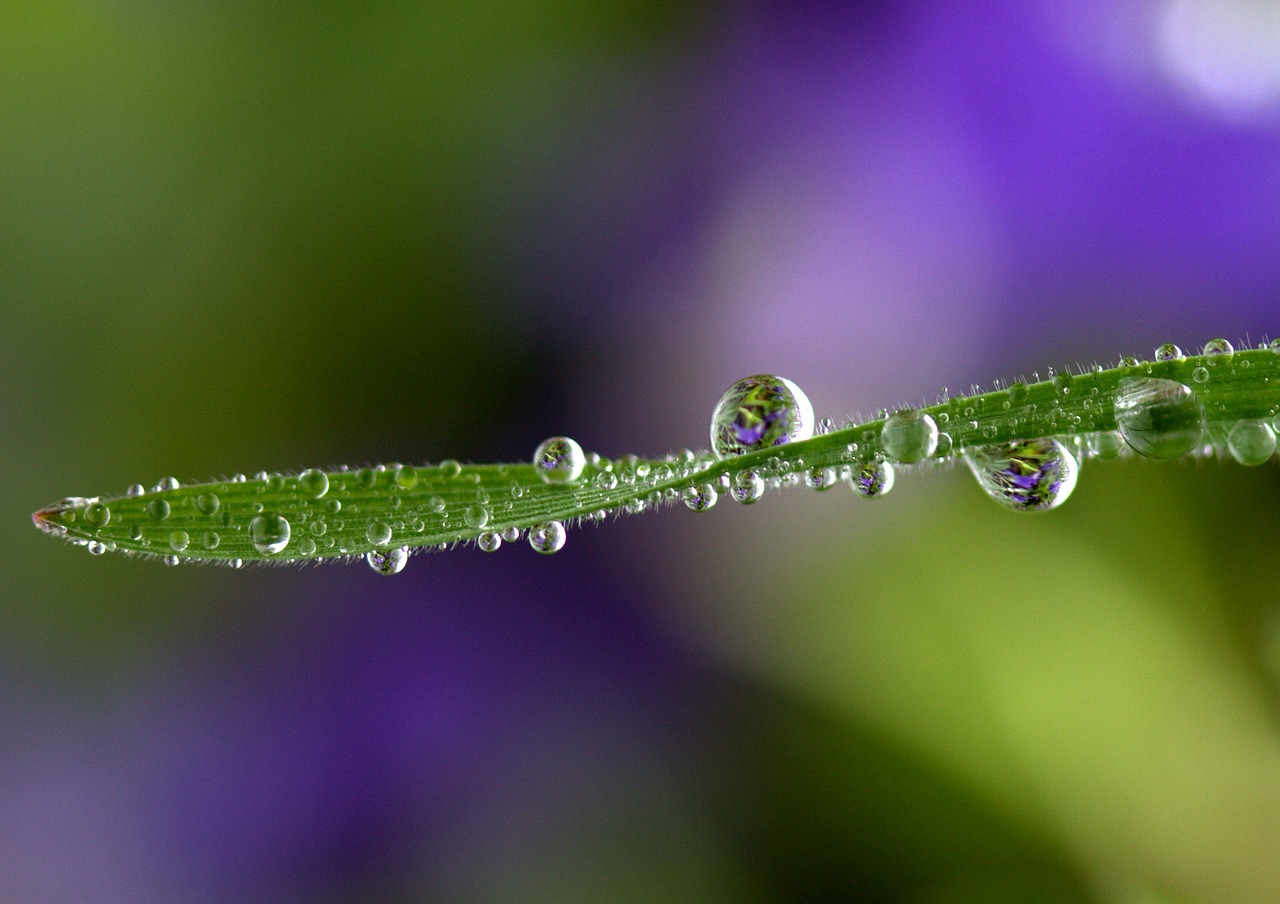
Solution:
(136, 489)
(909, 436)
(701, 497)
(1200, 375)
(1033, 475)
(559, 459)
(378, 532)
(179, 540)
(1159, 419)
(314, 482)
(307, 546)
(405, 478)
(1169, 352)
(476, 516)
(547, 537)
(269, 533)
(489, 541)
(1106, 445)
(208, 503)
(747, 486)
(158, 509)
(96, 547)
(97, 514)
(872, 479)
(1219, 348)
(389, 561)
(169, 483)
(820, 478)
(1251, 442)
(759, 412)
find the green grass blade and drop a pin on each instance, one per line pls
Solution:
(377, 509)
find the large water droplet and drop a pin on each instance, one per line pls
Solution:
(1032, 475)
(314, 482)
(379, 533)
(1251, 442)
(758, 412)
(405, 478)
(158, 508)
(701, 497)
(559, 459)
(489, 541)
(390, 561)
(909, 436)
(1159, 418)
(97, 514)
(1219, 348)
(269, 533)
(476, 516)
(547, 537)
(747, 487)
(1169, 352)
(873, 479)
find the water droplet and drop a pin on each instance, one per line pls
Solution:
(825, 426)
(701, 497)
(1169, 352)
(391, 561)
(1251, 442)
(135, 532)
(158, 509)
(314, 482)
(236, 563)
(909, 436)
(269, 533)
(511, 534)
(476, 516)
(1275, 346)
(334, 505)
(96, 547)
(1200, 375)
(747, 486)
(450, 468)
(820, 478)
(179, 540)
(758, 412)
(169, 483)
(405, 478)
(1032, 475)
(379, 533)
(97, 514)
(872, 479)
(436, 504)
(170, 560)
(136, 489)
(559, 459)
(210, 540)
(1220, 348)
(1106, 445)
(547, 537)
(945, 445)
(366, 477)
(606, 480)
(1159, 419)
(489, 541)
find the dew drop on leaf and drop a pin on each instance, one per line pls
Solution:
(476, 516)
(1251, 442)
(378, 532)
(759, 412)
(1160, 419)
(1219, 348)
(872, 479)
(97, 514)
(1027, 475)
(747, 486)
(559, 459)
(179, 540)
(1169, 352)
(390, 561)
(489, 541)
(96, 547)
(701, 497)
(158, 508)
(208, 503)
(314, 482)
(269, 533)
(909, 436)
(547, 537)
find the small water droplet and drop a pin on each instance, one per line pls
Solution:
(1275, 346)
(547, 537)
(136, 489)
(748, 486)
(1200, 375)
(1251, 442)
(1169, 352)
(489, 541)
(1219, 348)
(210, 540)
(450, 468)
(511, 534)
(759, 412)
(559, 459)
(909, 436)
(307, 546)
(334, 505)
(179, 540)
(701, 497)
(236, 563)
(169, 483)
(269, 533)
(314, 482)
(96, 547)
(945, 445)
(825, 426)
(1027, 475)
(391, 561)
(606, 480)
(820, 478)
(1159, 419)
(135, 532)
(394, 502)
(378, 532)
(436, 504)
(170, 560)
(158, 509)
(367, 477)
(97, 514)
(1106, 445)
(404, 477)
(476, 516)
(873, 479)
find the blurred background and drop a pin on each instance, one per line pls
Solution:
(237, 236)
